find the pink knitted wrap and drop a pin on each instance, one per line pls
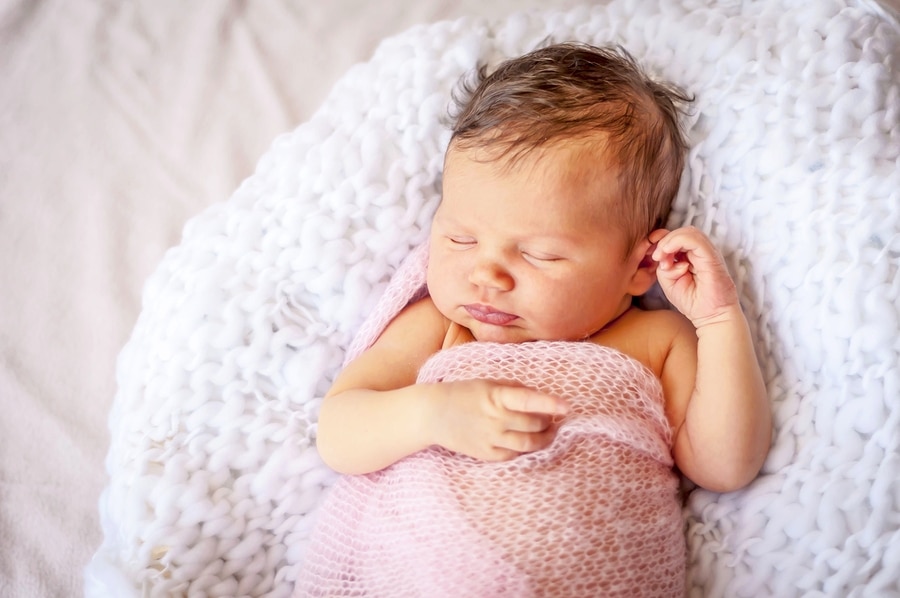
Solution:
(595, 514)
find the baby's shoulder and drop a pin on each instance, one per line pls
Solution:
(648, 335)
(663, 328)
(662, 322)
(419, 325)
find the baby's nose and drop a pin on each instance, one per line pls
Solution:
(491, 274)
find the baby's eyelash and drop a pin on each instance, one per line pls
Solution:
(462, 240)
(542, 257)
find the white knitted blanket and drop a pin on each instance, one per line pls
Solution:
(793, 172)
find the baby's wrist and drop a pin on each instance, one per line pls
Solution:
(430, 406)
(727, 316)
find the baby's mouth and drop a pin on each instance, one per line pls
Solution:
(488, 315)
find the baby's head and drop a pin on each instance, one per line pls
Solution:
(599, 97)
(560, 165)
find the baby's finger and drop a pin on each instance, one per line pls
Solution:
(498, 454)
(657, 235)
(673, 268)
(525, 442)
(517, 421)
(527, 400)
(685, 242)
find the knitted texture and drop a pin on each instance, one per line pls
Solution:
(594, 514)
(214, 479)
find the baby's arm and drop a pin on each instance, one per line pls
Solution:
(375, 414)
(726, 430)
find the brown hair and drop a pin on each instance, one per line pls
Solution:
(577, 90)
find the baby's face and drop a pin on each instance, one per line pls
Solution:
(522, 252)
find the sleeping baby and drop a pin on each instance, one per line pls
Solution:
(511, 422)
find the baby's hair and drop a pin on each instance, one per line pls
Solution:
(574, 90)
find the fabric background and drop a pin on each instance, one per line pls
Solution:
(121, 120)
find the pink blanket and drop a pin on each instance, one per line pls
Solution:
(596, 513)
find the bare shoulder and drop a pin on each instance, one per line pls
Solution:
(665, 321)
(394, 359)
(667, 326)
(666, 342)
(649, 336)
(419, 328)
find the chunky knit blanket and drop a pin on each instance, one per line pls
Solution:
(595, 514)
(793, 172)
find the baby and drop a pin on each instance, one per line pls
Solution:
(514, 428)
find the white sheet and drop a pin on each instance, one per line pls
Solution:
(119, 122)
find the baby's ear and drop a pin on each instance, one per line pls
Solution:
(644, 276)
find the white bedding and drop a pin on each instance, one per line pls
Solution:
(121, 122)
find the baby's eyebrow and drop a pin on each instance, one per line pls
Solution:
(552, 236)
(446, 219)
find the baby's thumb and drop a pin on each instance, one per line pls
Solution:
(527, 400)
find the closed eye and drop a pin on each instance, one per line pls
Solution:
(461, 241)
(541, 257)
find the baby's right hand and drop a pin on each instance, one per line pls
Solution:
(494, 421)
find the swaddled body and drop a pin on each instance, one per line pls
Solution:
(594, 514)
(508, 418)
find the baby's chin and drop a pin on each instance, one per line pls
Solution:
(487, 333)
(507, 334)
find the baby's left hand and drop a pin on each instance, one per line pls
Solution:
(693, 275)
